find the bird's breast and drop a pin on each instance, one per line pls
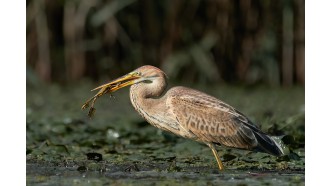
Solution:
(154, 112)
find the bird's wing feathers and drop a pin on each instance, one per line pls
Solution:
(211, 120)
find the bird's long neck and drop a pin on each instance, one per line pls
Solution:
(146, 98)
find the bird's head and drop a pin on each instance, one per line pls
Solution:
(145, 74)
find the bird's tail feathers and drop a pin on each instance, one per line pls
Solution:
(270, 144)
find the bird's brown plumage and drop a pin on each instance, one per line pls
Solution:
(190, 113)
(209, 119)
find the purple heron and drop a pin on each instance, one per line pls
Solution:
(188, 113)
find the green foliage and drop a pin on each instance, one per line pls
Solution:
(195, 41)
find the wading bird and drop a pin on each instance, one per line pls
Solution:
(188, 113)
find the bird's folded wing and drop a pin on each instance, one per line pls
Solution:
(211, 120)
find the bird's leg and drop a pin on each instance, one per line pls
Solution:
(217, 157)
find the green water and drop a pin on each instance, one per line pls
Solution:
(132, 152)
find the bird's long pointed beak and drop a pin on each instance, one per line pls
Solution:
(112, 86)
(119, 83)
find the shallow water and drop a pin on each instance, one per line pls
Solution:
(124, 175)
(65, 147)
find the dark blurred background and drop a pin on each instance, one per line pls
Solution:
(214, 41)
(248, 53)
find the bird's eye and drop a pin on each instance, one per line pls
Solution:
(137, 73)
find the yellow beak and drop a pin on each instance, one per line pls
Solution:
(119, 83)
(110, 87)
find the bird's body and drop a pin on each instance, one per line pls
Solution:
(190, 113)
